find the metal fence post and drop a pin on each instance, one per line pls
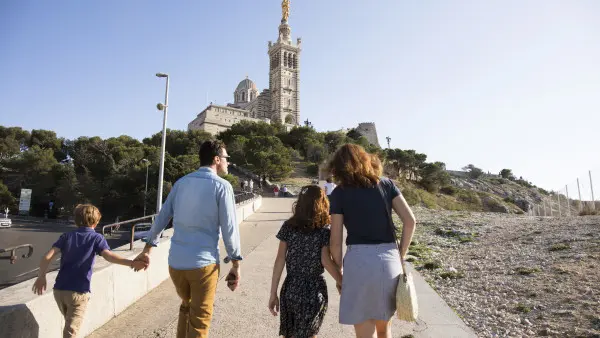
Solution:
(592, 189)
(558, 198)
(568, 201)
(579, 192)
(544, 208)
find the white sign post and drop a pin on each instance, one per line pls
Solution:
(25, 201)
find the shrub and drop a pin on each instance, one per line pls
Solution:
(428, 199)
(524, 271)
(411, 196)
(231, 179)
(449, 190)
(560, 247)
(588, 211)
(312, 169)
(522, 308)
(469, 197)
(432, 265)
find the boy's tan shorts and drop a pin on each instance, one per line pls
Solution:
(72, 305)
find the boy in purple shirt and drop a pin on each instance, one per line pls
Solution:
(78, 251)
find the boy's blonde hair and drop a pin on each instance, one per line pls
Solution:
(86, 215)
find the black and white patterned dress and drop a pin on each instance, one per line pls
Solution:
(303, 298)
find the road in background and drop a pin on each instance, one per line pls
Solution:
(41, 236)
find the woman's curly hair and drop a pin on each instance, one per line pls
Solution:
(311, 210)
(352, 166)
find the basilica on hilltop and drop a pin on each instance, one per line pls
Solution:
(281, 102)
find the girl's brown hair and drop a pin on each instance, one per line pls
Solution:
(311, 210)
(352, 166)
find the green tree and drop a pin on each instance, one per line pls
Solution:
(250, 129)
(7, 200)
(333, 140)
(235, 182)
(434, 176)
(268, 156)
(473, 172)
(354, 134)
(179, 142)
(12, 141)
(507, 174)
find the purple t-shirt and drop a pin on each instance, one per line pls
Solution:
(78, 252)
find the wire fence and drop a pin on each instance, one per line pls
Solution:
(576, 198)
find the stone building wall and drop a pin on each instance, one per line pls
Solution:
(215, 119)
(368, 130)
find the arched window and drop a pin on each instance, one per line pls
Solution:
(285, 59)
(243, 96)
(289, 119)
(294, 62)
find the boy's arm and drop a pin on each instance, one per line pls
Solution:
(40, 283)
(116, 259)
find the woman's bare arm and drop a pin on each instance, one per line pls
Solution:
(329, 265)
(335, 241)
(408, 222)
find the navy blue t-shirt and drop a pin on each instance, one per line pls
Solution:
(78, 252)
(364, 212)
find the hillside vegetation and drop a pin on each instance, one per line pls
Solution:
(111, 172)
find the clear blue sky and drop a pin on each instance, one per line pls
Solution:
(495, 83)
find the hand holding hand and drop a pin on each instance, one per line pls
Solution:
(143, 257)
(138, 265)
(274, 305)
(39, 286)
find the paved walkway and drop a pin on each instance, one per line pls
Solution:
(244, 313)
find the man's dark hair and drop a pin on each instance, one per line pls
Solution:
(208, 151)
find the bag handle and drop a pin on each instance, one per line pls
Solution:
(388, 212)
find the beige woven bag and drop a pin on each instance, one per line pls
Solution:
(407, 307)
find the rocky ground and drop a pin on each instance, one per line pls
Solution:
(511, 275)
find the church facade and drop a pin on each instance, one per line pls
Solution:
(281, 102)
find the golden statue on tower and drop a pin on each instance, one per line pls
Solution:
(285, 10)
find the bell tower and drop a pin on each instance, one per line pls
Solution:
(284, 73)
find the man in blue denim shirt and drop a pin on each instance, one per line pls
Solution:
(202, 206)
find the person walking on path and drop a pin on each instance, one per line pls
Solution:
(304, 251)
(371, 266)
(78, 250)
(203, 208)
(329, 186)
(251, 185)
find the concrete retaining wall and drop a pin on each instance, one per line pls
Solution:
(114, 288)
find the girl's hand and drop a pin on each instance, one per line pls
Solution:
(274, 305)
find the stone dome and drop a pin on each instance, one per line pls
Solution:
(246, 84)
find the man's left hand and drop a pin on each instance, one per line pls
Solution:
(233, 278)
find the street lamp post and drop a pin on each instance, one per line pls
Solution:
(161, 170)
(146, 189)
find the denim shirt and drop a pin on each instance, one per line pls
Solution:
(202, 206)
